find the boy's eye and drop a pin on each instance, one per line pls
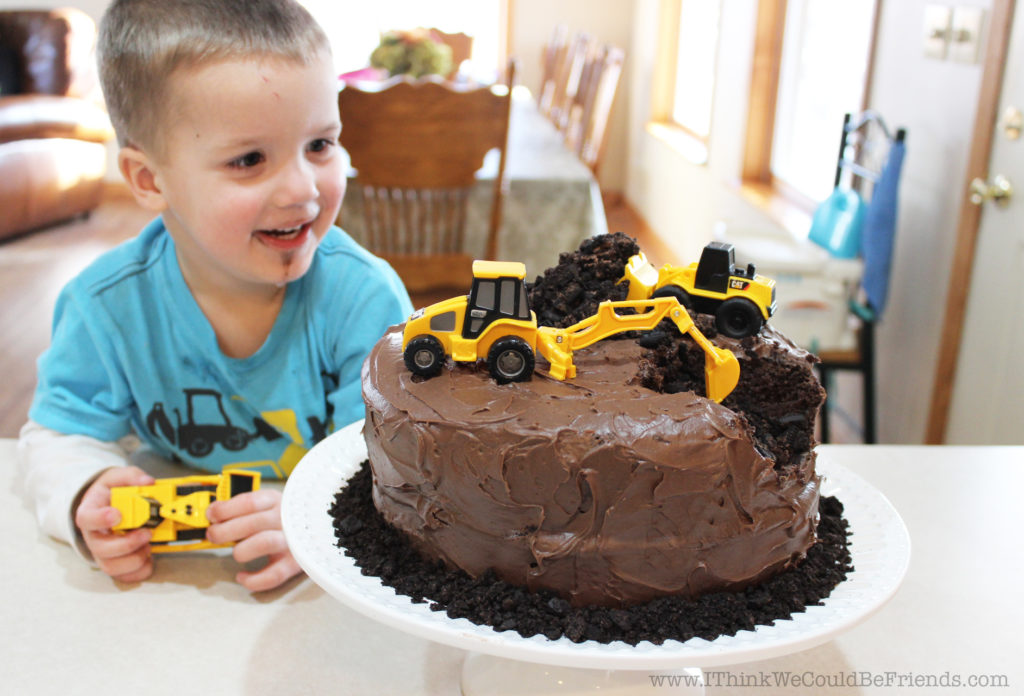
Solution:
(247, 161)
(320, 144)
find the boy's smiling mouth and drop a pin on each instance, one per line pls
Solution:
(282, 234)
(285, 238)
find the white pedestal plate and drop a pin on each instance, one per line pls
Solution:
(506, 663)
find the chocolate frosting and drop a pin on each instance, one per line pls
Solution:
(596, 488)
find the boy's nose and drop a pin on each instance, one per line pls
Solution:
(297, 185)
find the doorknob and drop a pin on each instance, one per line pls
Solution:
(1000, 191)
(1012, 122)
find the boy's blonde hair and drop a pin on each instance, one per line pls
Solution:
(142, 43)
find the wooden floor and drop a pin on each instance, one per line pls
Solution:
(34, 267)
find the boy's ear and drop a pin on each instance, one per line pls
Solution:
(140, 174)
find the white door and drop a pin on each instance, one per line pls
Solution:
(988, 392)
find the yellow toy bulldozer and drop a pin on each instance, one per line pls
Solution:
(175, 508)
(494, 322)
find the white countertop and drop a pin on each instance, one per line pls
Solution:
(68, 629)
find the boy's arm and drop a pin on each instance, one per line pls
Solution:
(381, 303)
(55, 469)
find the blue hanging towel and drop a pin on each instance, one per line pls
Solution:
(837, 223)
(880, 228)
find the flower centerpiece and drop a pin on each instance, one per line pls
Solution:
(414, 52)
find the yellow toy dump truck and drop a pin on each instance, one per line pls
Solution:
(494, 322)
(740, 300)
(175, 508)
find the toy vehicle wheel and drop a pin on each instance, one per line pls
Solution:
(199, 447)
(737, 317)
(235, 441)
(424, 356)
(676, 292)
(510, 360)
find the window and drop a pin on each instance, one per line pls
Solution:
(811, 65)
(694, 89)
(508, 297)
(822, 76)
(485, 294)
(355, 28)
(684, 80)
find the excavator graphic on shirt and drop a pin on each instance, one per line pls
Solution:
(198, 438)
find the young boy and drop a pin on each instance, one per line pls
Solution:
(231, 331)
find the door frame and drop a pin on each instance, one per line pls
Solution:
(990, 92)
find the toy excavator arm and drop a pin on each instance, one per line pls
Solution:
(608, 322)
(721, 370)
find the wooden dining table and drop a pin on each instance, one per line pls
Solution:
(69, 629)
(552, 201)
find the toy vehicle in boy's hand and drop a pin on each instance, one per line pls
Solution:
(740, 300)
(175, 508)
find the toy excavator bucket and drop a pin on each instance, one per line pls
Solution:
(721, 373)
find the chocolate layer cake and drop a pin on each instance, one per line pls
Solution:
(613, 488)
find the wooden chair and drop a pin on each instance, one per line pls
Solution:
(587, 128)
(416, 146)
(567, 80)
(461, 45)
(552, 58)
(871, 157)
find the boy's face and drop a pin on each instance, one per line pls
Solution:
(250, 170)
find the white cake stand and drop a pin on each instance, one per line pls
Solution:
(506, 663)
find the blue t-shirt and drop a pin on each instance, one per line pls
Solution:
(132, 350)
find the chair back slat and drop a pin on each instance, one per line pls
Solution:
(567, 81)
(551, 60)
(588, 132)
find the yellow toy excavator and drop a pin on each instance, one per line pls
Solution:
(494, 321)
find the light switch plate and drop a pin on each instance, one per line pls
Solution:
(965, 34)
(937, 22)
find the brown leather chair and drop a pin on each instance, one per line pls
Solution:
(53, 128)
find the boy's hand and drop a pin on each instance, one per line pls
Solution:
(124, 557)
(253, 521)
